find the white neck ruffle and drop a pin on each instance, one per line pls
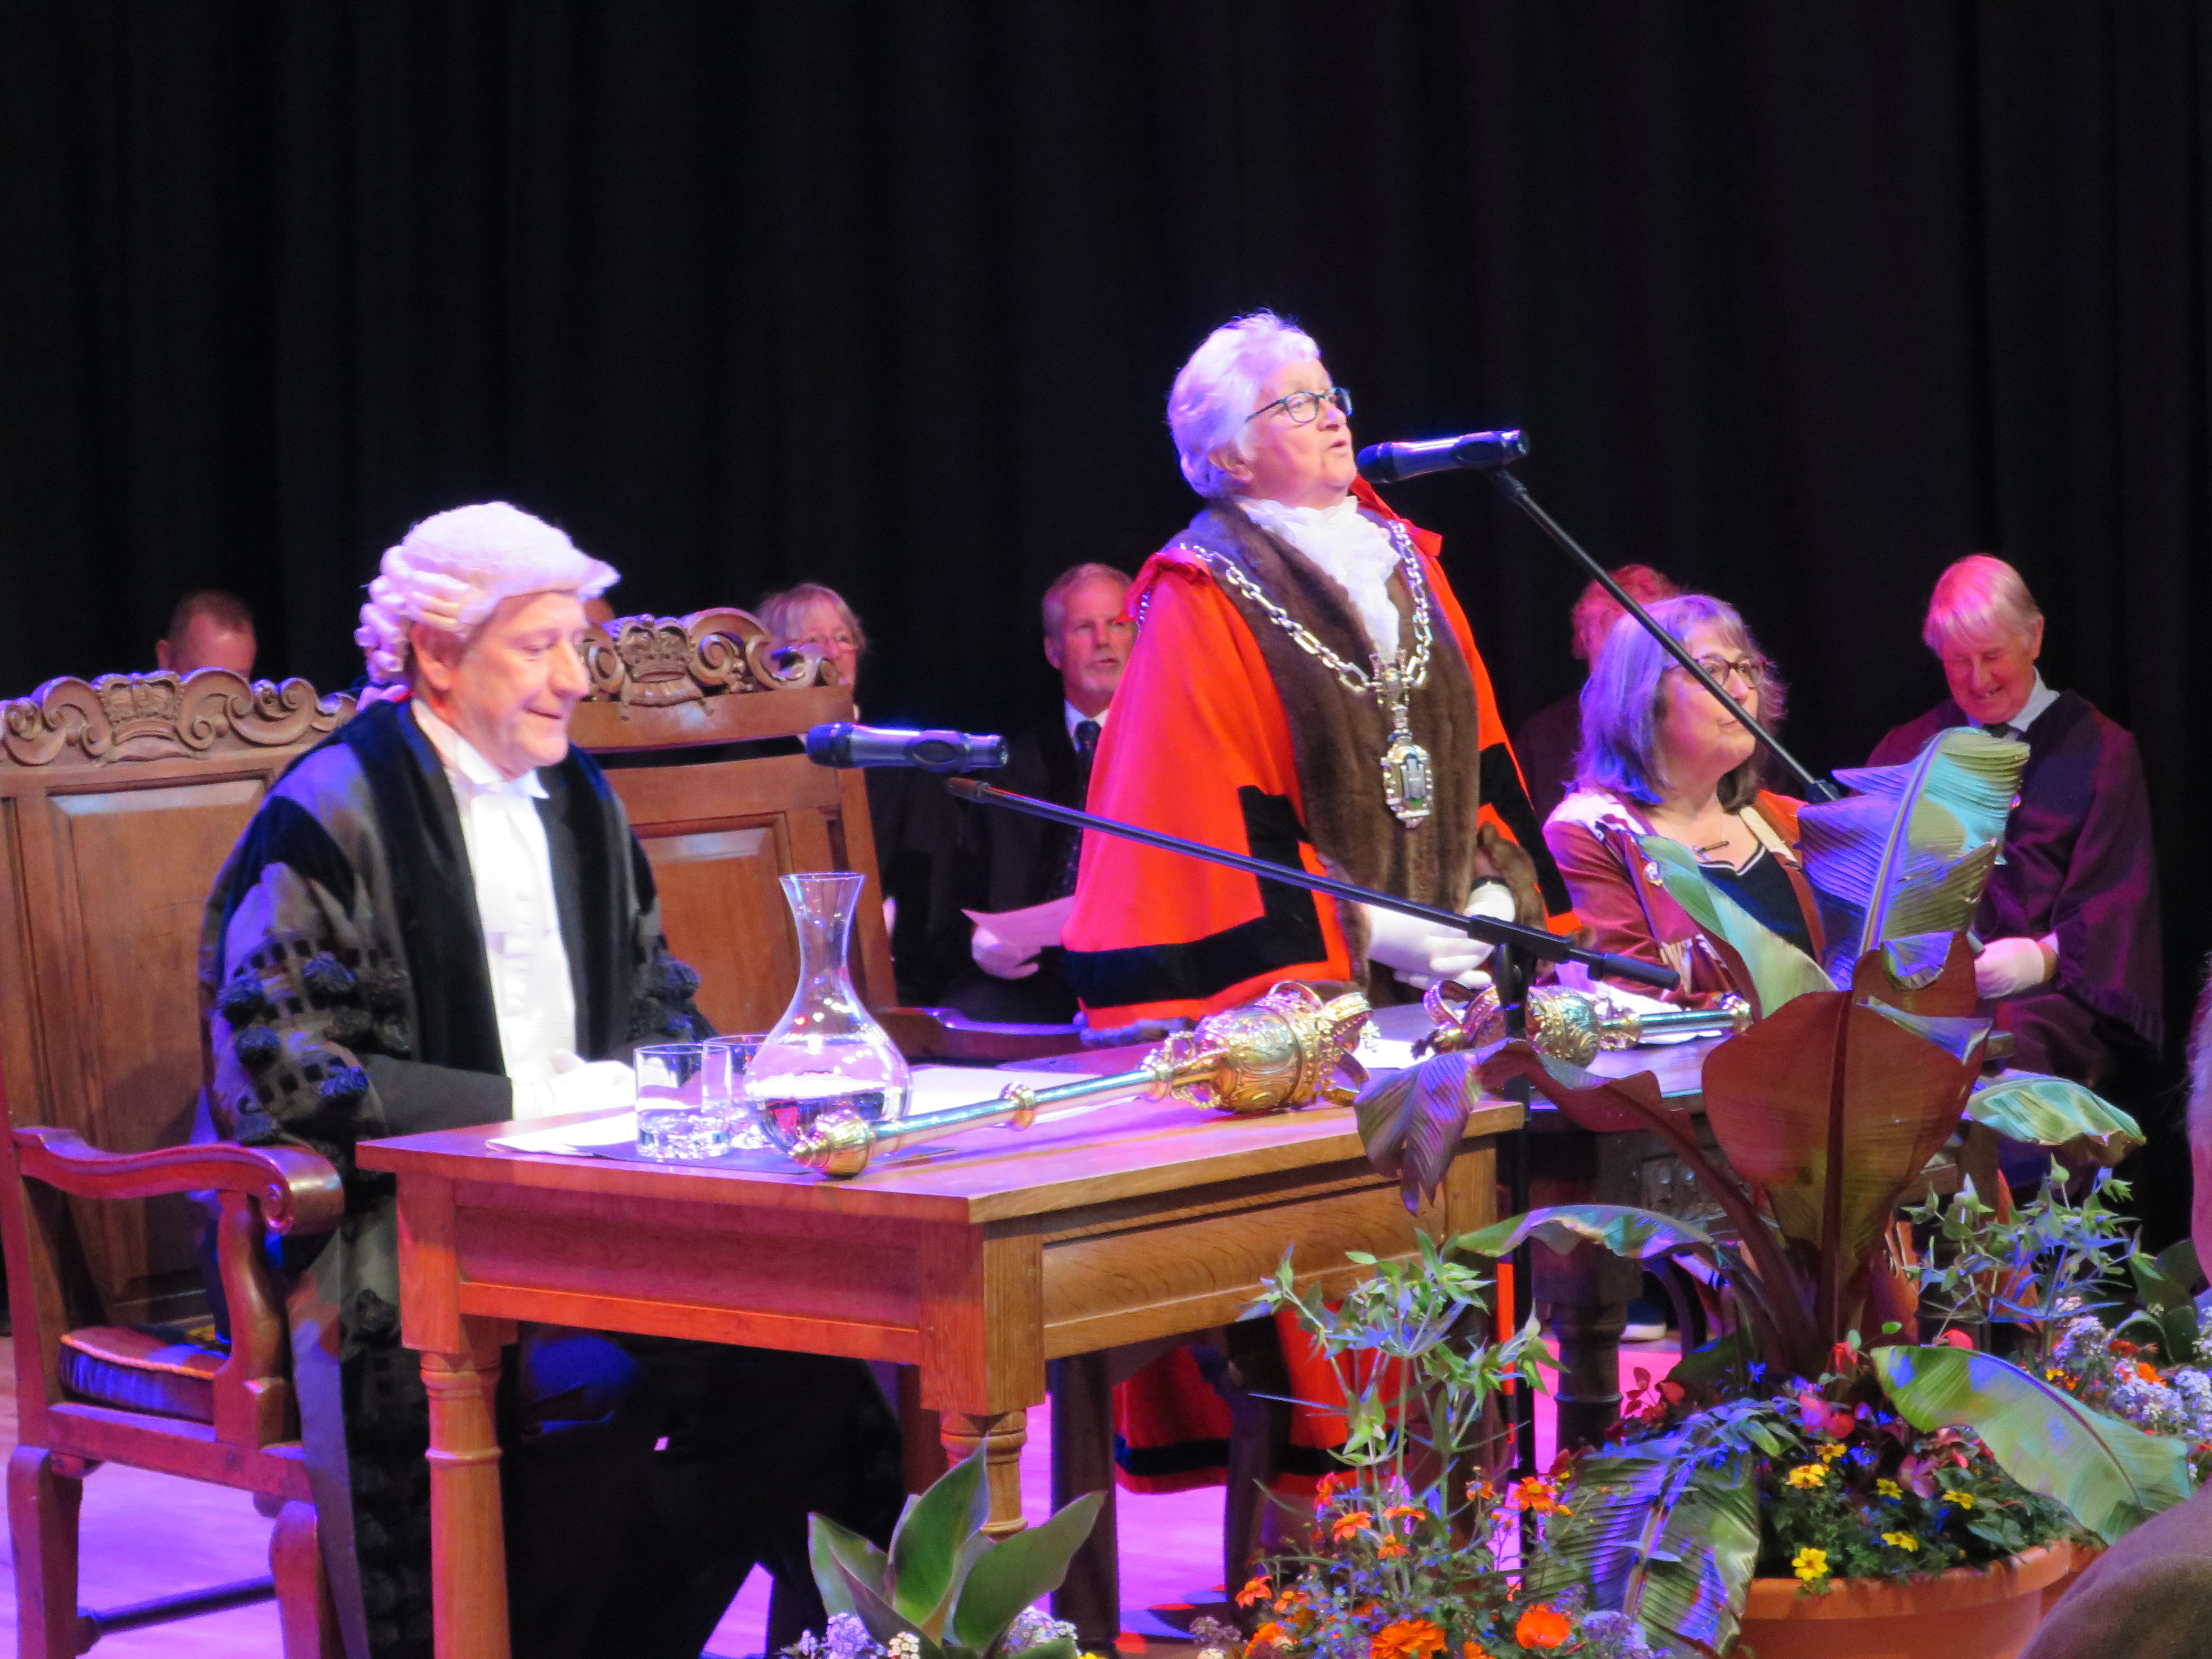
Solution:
(1351, 548)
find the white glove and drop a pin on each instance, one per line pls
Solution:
(1420, 953)
(2006, 966)
(998, 958)
(577, 1085)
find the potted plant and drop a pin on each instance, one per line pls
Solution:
(1840, 1467)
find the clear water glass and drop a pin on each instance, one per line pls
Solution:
(726, 1060)
(675, 1119)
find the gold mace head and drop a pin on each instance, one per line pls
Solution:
(1282, 1050)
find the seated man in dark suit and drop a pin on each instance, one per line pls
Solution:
(2150, 1596)
(1017, 862)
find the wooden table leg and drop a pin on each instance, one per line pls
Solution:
(1005, 1433)
(468, 1560)
(1586, 1294)
(1090, 1598)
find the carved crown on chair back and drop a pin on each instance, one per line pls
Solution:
(160, 716)
(654, 662)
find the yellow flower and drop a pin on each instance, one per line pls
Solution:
(1811, 1564)
(1831, 1451)
(1889, 1489)
(1965, 1500)
(1808, 1475)
(1904, 1541)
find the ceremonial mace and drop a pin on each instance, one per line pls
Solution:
(1282, 1050)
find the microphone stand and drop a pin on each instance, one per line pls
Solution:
(1816, 788)
(1533, 941)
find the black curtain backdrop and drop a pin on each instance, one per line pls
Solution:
(1797, 302)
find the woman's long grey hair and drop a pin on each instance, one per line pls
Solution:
(1625, 695)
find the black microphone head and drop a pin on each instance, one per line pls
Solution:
(1472, 452)
(830, 744)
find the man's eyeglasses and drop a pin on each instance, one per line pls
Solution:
(1304, 407)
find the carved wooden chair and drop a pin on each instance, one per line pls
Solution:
(121, 798)
(698, 725)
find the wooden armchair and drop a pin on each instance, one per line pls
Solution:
(698, 729)
(119, 800)
(149, 1396)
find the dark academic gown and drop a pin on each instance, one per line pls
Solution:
(2078, 862)
(1546, 745)
(1013, 861)
(343, 968)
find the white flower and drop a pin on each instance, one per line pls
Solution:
(1033, 1628)
(905, 1645)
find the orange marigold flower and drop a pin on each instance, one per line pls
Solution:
(2148, 1373)
(1537, 1496)
(1257, 1590)
(1407, 1638)
(1350, 1522)
(1292, 1601)
(1542, 1627)
(1391, 1548)
(1265, 1639)
(1404, 1512)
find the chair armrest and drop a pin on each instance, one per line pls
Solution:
(298, 1192)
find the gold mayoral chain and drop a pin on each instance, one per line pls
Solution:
(1408, 778)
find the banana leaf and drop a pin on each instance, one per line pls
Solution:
(1637, 1235)
(1410, 1121)
(1017, 1570)
(1831, 1107)
(2050, 1111)
(2109, 1474)
(1903, 862)
(1665, 1530)
(1777, 970)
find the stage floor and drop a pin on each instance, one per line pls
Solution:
(149, 1534)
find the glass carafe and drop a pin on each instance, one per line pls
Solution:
(827, 1054)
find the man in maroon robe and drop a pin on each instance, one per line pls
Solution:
(2070, 961)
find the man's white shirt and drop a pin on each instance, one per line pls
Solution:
(512, 865)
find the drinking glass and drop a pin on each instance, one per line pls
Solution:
(726, 1060)
(675, 1119)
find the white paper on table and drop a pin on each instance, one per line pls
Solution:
(936, 1088)
(578, 1140)
(1028, 931)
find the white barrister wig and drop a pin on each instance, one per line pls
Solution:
(453, 568)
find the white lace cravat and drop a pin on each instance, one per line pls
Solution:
(1351, 548)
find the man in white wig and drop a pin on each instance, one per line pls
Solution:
(440, 918)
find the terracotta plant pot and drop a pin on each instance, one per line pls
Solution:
(2080, 1557)
(1968, 1613)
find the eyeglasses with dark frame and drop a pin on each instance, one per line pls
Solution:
(1750, 670)
(1304, 407)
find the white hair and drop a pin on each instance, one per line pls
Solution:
(1979, 598)
(1219, 387)
(451, 570)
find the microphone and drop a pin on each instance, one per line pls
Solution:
(842, 744)
(1474, 451)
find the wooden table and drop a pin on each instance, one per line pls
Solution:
(976, 1260)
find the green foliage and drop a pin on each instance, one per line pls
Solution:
(2110, 1475)
(2049, 1259)
(1637, 1235)
(1902, 861)
(1415, 1386)
(2050, 1111)
(1666, 1529)
(944, 1582)
(1779, 970)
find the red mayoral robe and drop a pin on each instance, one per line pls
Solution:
(1198, 731)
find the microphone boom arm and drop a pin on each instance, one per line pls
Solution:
(1535, 940)
(1816, 788)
